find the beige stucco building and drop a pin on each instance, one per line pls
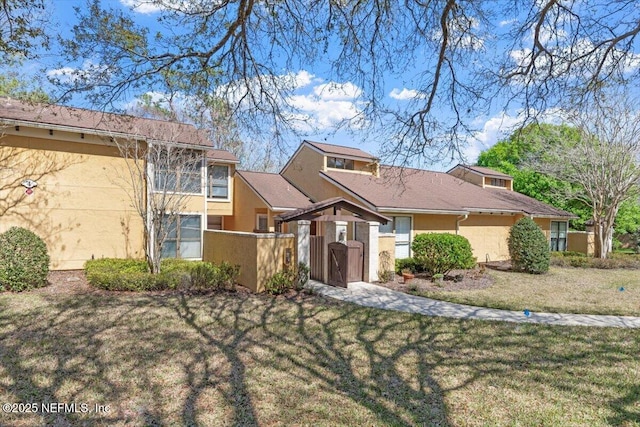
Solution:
(66, 174)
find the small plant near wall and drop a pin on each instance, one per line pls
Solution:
(24, 260)
(438, 278)
(386, 273)
(287, 279)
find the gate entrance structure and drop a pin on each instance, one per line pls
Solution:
(333, 259)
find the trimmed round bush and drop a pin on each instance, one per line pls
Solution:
(439, 253)
(528, 247)
(24, 261)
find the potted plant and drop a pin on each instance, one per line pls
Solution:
(407, 275)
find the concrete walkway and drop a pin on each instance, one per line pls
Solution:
(370, 295)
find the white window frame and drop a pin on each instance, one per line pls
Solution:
(213, 198)
(178, 232)
(156, 171)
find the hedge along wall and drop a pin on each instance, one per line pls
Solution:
(259, 255)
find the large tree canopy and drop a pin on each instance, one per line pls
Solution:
(459, 58)
(516, 156)
(22, 29)
(513, 157)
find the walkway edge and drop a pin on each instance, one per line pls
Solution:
(374, 296)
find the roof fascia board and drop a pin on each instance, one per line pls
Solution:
(342, 156)
(103, 133)
(388, 209)
(286, 165)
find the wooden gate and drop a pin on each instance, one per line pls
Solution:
(355, 261)
(346, 263)
(316, 256)
(338, 264)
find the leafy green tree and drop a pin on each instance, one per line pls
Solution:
(11, 86)
(515, 154)
(22, 29)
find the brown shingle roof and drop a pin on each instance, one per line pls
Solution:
(339, 150)
(222, 155)
(484, 171)
(78, 119)
(275, 190)
(420, 190)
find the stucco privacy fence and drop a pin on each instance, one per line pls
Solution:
(259, 255)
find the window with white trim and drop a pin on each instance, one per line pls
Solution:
(181, 173)
(184, 237)
(218, 182)
(558, 236)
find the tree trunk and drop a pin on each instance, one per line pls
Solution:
(600, 242)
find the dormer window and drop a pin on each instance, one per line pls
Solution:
(339, 163)
(498, 182)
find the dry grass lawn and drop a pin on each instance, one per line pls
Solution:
(561, 290)
(242, 359)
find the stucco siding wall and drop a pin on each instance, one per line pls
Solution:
(488, 235)
(81, 206)
(260, 256)
(386, 243)
(303, 171)
(581, 241)
(224, 207)
(468, 176)
(434, 224)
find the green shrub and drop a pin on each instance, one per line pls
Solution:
(289, 278)
(24, 261)
(528, 247)
(407, 264)
(133, 275)
(439, 253)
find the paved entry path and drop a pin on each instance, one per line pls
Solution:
(370, 295)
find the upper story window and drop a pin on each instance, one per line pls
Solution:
(218, 182)
(178, 173)
(339, 163)
(498, 182)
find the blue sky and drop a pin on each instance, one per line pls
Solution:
(322, 101)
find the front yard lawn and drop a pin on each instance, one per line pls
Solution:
(561, 290)
(243, 359)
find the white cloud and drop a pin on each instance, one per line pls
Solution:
(337, 91)
(144, 7)
(405, 94)
(324, 105)
(89, 72)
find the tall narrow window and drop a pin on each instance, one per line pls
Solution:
(262, 222)
(218, 182)
(558, 236)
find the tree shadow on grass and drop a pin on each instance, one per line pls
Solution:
(240, 359)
